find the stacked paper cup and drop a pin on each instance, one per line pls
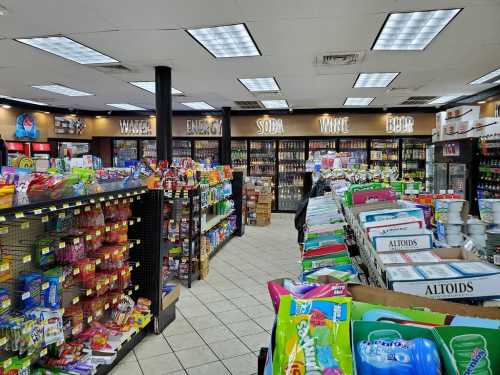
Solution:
(453, 228)
(477, 232)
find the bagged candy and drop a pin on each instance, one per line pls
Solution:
(313, 337)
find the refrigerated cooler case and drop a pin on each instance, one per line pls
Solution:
(125, 152)
(429, 170)
(181, 149)
(291, 168)
(489, 169)
(263, 160)
(384, 152)
(321, 146)
(414, 158)
(456, 165)
(205, 150)
(239, 155)
(72, 149)
(354, 152)
(16, 149)
(148, 149)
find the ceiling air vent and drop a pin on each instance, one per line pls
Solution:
(418, 100)
(248, 104)
(113, 69)
(341, 58)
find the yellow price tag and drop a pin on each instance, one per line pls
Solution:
(61, 279)
(106, 256)
(138, 242)
(4, 267)
(101, 199)
(61, 215)
(137, 264)
(88, 237)
(76, 300)
(26, 258)
(19, 215)
(4, 230)
(107, 229)
(97, 205)
(25, 225)
(37, 211)
(43, 352)
(76, 271)
(128, 194)
(2, 218)
(76, 211)
(78, 203)
(45, 286)
(106, 306)
(97, 232)
(88, 292)
(139, 219)
(46, 249)
(115, 226)
(45, 219)
(3, 341)
(131, 222)
(92, 200)
(97, 261)
(136, 287)
(52, 208)
(111, 197)
(89, 319)
(98, 287)
(76, 241)
(129, 293)
(6, 304)
(120, 195)
(65, 205)
(130, 268)
(115, 300)
(62, 245)
(114, 277)
(7, 363)
(87, 208)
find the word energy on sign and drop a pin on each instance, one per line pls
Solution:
(334, 125)
(399, 124)
(204, 127)
(270, 126)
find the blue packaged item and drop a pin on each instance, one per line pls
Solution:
(52, 294)
(380, 215)
(403, 357)
(30, 286)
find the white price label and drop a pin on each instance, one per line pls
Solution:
(65, 205)
(61, 215)
(37, 211)
(76, 300)
(45, 286)
(87, 208)
(26, 258)
(25, 295)
(45, 219)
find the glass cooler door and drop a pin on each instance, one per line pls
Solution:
(440, 177)
(458, 178)
(239, 155)
(291, 168)
(385, 152)
(148, 149)
(206, 150)
(263, 160)
(125, 152)
(321, 146)
(354, 152)
(181, 149)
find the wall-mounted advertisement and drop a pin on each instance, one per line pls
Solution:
(26, 127)
(69, 125)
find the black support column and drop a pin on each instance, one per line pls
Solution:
(226, 137)
(163, 79)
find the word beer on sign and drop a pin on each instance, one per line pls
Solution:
(334, 125)
(204, 127)
(399, 124)
(270, 126)
(135, 127)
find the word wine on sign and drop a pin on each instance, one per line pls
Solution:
(334, 125)
(135, 127)
(204, 127)
(399, 124)
(270, 126)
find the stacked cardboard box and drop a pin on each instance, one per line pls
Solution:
(204, 254)
(259, 199)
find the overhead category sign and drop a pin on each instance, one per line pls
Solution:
(135, 127)
(205, 126)
(334, 125)
(399, 124)
(270, 126)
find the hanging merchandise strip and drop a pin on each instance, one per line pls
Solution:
(71, 263)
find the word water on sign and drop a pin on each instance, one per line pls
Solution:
(135, 127)
(399, 124)
(334, 125)
(270, 126)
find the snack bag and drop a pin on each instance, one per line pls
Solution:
(313, 337)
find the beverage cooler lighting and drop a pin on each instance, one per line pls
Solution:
(385, 152)
(239, 155)
(291, 168)
(124, 152)
(414, 156)
(263, 159)
(204, 150)
(321, 146)
(356, 151)
(181, 149)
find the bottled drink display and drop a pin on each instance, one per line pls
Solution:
(263, 159)
(384, 152)
(489, 170)
(148, 148)
(291, 168)
(204, 150)
(239, 155)
(357, 149)
(429, 170)
(321, 146)
(181, 149)
(414, 156)
(124, 152)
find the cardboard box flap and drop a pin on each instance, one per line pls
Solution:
(356, 210)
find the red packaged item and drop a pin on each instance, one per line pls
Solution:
(87, 272)
(102, 283)
(74, 313)
(123, 277)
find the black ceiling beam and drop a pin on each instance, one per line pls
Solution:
(473, 99)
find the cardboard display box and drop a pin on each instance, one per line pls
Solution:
(171, 297)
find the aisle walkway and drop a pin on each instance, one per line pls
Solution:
(222, 322)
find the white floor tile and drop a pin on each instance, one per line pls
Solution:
(242, 365)
(229, 349)
(196, 356)
(215, 368)
(163, 364)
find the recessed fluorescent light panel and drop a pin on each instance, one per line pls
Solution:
(63, 90)
(127, 107)
(444, 99)
(375, 79)
(275, 104)
(151, 87)
(267, 84)
(226, 41)
(412, 31)
(68, 49)
(198, 105)
(21, 100)
(491, 77)
(358, 101)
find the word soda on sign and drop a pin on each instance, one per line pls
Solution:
(204, 127)
(399, 124)
(334, 125)
(270, 126)
(135, 127)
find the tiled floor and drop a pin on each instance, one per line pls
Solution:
(222, 322)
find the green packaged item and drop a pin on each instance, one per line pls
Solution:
(327, 260)
(360, 187)
(313, 337)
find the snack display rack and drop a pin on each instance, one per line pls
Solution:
(291, 168)
(51, 250)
